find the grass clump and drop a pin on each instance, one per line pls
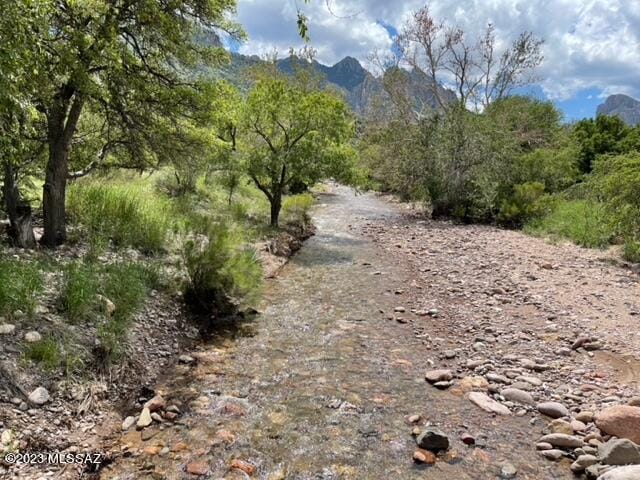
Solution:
(81, 286)
(127, 216)
(582, 221)
(20, 283)
(223, 274)
(45, 352)
(296, 210)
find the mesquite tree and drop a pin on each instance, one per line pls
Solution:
(294, 134)
(128, 63)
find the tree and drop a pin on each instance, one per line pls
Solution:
(294, 134)
(475, 69)
(604, 135)
(127, 62)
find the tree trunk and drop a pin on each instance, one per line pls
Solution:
(20, 225)
(62, 122)
(276, 205)
(54, 194)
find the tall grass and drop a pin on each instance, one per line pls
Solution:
(20, 283)
(79, 297)
(581, 221)
(296, 208)
(123, 214)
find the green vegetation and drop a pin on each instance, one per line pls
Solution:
(79, 297)
(122, 214)
(20, 285)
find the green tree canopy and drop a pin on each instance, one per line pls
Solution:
(295, 134)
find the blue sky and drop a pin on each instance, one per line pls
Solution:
(591, 50)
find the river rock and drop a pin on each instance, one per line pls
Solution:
(488, 404)
(554, 454)
(156, 403)
(197, 468)
(560, 426)
(553, 409)
(508, 471)
(631, 472)
(39, 396)
(619, 451)
(424, 456)
(128, 422)
(582, 462)
(145, 419)
(519, 396)
(433, 440)
(434, 376)
(7, 329)
(562, 441)
(585, 416)
(623, 421)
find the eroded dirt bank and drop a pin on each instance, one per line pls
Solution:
(324, 382)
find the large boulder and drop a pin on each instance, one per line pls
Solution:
(623, 421)
(619, 451)
(631, 472)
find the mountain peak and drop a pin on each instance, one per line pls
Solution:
(622, 106)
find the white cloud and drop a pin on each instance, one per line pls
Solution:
(588, 43)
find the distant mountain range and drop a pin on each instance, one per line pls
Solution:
(364, 92)
(622, 106)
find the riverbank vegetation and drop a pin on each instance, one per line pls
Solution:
(494, 156)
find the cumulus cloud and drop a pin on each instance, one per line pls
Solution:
(588, 43)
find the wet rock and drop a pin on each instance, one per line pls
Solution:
(128, 423)
(197, 468)
(619, 452)
(488, 404)
(517, 395)
(32, 337)
(424, 456)
(553, 409)
(508, 471)
(631, 472)
(434, 376)
(560, 440)
(582, 462)
(623, 421)
(433, 440)
(7, 329)
(145, 419)
(39, 396)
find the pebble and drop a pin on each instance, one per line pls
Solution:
(582, 462)
(508, 471)
(197, 468)
(128, 423)
(552, 454)
(434, 376)
(562, 441)
(145, 419)
(7, 329)
(32, 337)
(517, 395)
(424, 456)
(433, 440)
(488, 404)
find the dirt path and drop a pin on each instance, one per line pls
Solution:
(321, 385)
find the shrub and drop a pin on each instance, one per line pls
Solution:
(296, 208)
(223, 273)
(79, 297)
(125, 216)
(20, 283)
(631, 250)
(526, 204)
(582, 221)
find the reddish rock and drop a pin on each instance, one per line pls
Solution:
(424, 456)
(243, 466)
(156, 403)
(224, 436)
(179, 447)
(197, 468)
(233, 410)
(623, 421)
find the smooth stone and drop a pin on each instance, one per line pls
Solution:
(32, 337)
(7, 329)
(631, 472)
(585, 416)
(519, 396)
(623, 421)
(488, 404)
(39, 396)
(552, 454)
(561, 440)
(508, 471)
(145, 419)
(560, 426)
(434, 376)
(128, 423)
(553, 409)
(582, 462)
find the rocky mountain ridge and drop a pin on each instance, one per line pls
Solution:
(622, 106)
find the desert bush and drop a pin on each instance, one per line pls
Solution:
(20, 283)
(525, 204)
(224, 274)
(582, 221)
(126, 216)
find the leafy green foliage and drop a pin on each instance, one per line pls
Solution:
(581, 221)
(223, 274)
(526, 203)
(604, 135)
(20, 284)
(121, 214)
